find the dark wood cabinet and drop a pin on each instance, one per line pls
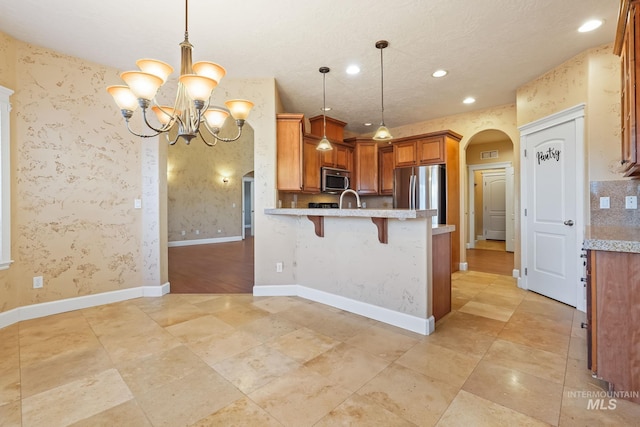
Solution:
(626, 46)
(613, 314)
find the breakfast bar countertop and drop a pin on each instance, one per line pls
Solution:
(611, 238)
(354, 213)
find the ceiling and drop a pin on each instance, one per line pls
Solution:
(489, 47)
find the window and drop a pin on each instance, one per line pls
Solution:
(5, 180)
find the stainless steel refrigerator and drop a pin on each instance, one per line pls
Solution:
(421, 187)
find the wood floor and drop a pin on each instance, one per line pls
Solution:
(217, 268)
(227, 268)
(494, 259)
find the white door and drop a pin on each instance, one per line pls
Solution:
(551, 216)
(494, 205)
(510, 212)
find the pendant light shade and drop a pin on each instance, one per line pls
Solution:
(324, 144)
(382, 134)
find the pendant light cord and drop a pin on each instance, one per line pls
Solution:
(324, 105)
(382, 84)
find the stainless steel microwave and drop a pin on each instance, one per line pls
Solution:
(334, 180)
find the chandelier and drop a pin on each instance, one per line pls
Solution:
(192, 104)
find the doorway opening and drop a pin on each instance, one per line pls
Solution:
(491, 216)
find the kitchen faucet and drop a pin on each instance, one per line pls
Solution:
(354, 193)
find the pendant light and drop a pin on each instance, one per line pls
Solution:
(324, 144)
(382, 134)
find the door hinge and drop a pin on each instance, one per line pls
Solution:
(525, 152)
(525, 212)
(525, 271)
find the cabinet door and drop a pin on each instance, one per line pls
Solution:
(431, 150)
(386, 169)
(289, 146)
(405, 154)
(311, 178)
(366, 172)
(329, 157)
(627, 98)
(342, 157)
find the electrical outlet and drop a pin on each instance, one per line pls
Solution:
(219, 231)
(278, 267)
(184, 233)
(38, 282)
(605, 203)
(137, 203)
(631, 202)
(197, 231)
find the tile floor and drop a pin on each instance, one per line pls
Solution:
(503, 357)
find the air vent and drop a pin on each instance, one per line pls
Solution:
(486, 155)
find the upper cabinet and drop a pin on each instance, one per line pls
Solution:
(385, 168)
(425, 149)
(289, 138)
(626, 46)
(299, 162)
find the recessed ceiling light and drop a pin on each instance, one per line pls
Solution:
(469, 100)
(590, 25)
(353, 69)
(439, 73)
(325, 109)
(367, 124)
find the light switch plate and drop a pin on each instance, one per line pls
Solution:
(604, 203)
(631, 202)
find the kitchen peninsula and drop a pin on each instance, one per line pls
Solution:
(372, 262)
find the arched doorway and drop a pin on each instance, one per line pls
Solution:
(490, 239)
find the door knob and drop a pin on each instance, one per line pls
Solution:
(568, 222)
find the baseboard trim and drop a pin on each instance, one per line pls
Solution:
(204, 241)
(34, 311)
(463, 266)
(381, 314)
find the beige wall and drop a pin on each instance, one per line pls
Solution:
(75, 174)
(198, 199)
(505, 152)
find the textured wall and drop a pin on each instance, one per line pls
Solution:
(198, 198)
(75, 173)
(592, 77)
(505, 152)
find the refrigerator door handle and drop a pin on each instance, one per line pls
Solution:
(412, 192)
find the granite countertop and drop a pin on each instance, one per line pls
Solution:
(442, 228)
(614, 239)
(356, 213)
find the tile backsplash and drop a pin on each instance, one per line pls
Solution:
(617, 214)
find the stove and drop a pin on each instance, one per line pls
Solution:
(314, 205)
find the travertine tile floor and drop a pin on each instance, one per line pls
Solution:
(504, 356)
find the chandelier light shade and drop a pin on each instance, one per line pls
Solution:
(324, 144)
(191, 108)
(382, 134)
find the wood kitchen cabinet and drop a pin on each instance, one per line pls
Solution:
(441, 275)
(298, 168)
(365, 172)
(613, 314)
(289, 140)
(426, 149)
(626, 46)
(385, 169)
